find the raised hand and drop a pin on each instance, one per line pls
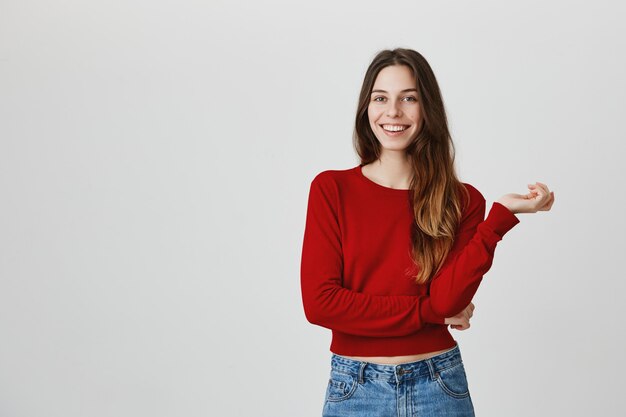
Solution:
(540, 198)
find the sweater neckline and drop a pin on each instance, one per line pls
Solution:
(376, 186)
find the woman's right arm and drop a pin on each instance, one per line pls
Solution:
(326, 302)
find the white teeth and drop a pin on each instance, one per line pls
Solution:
(394, 128)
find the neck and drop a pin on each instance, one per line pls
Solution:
(390, 171)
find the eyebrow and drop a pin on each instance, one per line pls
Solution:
(403, 91)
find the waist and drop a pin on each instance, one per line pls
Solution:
(396, 373)
(428, 341)
(398, 360)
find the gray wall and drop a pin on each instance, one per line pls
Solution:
(155, 160)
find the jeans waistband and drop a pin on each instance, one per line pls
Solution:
(396, 373)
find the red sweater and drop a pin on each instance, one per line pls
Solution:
(356, 266)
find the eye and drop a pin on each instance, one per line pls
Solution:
(411, 98)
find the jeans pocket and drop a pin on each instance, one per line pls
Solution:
(341, 386)
(453, 381)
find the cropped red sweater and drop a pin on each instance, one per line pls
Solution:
(356, 266)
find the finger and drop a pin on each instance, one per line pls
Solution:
(543, 196)
(544, 188)
(541, 186)
(549, 205)
(536, 190)
(549, 200)
(533, 188)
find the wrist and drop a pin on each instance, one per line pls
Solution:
(506, 206)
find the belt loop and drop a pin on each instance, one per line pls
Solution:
(361, 371)
(433, 372)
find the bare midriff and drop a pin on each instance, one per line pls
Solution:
(396, 360)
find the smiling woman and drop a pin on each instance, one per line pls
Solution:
(395, 248)
(394, 110)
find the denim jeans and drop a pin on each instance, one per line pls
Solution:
(433, 387)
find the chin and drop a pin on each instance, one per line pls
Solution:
(394, 146)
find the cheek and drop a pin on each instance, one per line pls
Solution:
(417, 115)
(412, 112)
(372, 114)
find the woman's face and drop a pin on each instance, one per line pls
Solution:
(394, 104)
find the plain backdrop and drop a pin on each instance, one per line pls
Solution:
(155, 162)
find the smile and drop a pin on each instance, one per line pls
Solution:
(394, 128)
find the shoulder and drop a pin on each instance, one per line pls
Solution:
(333, 174)
(476, 203)
(474, 193)
(325, 188)
(331, 180)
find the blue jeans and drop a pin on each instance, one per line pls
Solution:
(433, 387)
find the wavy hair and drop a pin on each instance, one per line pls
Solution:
(438, 197)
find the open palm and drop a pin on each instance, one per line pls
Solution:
(540, 198)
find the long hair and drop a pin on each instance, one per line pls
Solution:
(438, 197)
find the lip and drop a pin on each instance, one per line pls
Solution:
(394, 134)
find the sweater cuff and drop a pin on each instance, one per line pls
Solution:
(427, 314)
(500, 219)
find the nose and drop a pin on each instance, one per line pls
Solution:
(393, 109)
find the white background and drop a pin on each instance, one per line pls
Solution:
(155, 163)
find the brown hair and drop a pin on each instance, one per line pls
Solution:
(436, 192)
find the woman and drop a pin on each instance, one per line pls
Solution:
(395, 248)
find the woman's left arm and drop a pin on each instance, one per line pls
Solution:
(454, 286)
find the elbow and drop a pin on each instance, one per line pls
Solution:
(313, 313)
(450, 303)
(318, 305)
(315, 304)
(444, 308)
(310, 314)
(313, 316)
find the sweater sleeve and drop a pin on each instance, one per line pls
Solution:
(326, 302)
(452, 288)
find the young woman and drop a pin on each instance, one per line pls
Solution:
(395, 248)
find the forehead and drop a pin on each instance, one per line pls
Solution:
(394, 78)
